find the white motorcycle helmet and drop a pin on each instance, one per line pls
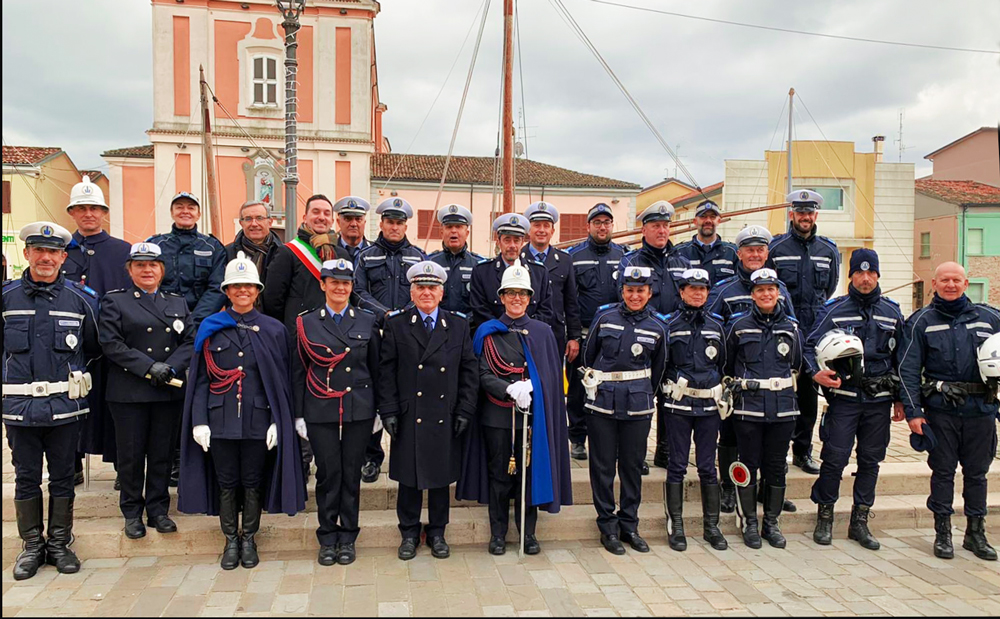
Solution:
(989, 358)
(844, 353)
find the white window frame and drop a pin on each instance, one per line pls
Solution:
(264, 82)
(982, 241)
(927, 246)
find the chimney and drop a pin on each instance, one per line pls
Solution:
(878, 139)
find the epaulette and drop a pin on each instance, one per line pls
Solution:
(626, 248)
(476, 257)
(308, 311)
(572, 250)
(792, 318)
(894, 301)
(485, 260)
(606, 306)
(173, 294)
(834, 300)
(723, 282)
(535, 262)
(738, 315)
(827, 239)
(85, 289)
(394, 313)
(366, 311)
(116, 291)
(460, 314)
(717, 316)
(663, 317)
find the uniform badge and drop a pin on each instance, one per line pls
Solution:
(256, 328)
(71, 340)
(892, 343)
(397, 203)
(783, 349)
(865, 266)
(636, 349)
(179, 326)
(804, 195)
(47, 231)
(543, 206)
(711, 352)
(453, 209)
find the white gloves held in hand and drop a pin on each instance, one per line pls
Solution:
(202, 436)
(300, 429)
(271, 440)
(520, 392)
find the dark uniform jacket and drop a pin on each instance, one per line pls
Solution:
(732, 296)
(667, 265)
(355, 375)
(138, 329)
(696, 351)
(98, 262)
(486, 304)
(292, 288)
(942, 346)
(49, 330)
(496, 408)
(353, 252)
(426, 380)
(810, 269)
(380, 275)
(760, 347)
(195, 267)
(565, 303)
(719, 258)
(595, 267)
(624, 341)
(878, 321)
(458, 288)
(242, 412)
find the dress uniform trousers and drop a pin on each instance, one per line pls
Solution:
(808, 406)
(622, 443)
(971, 441)
(27, 446)
(842, 422)
(504, 486)
(706, 431)
(408, 505)
(763, 447)
(239, 462)
(575, 399)
(338, 478)
(145, 434)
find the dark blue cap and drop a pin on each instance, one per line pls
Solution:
(600, 209)
(706, 206)
(924, 442)
(864, 260)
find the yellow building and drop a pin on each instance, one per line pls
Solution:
(668, 189)
(36, 186)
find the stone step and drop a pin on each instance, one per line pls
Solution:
(101, 501)
(103, 537)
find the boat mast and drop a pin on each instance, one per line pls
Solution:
(788, 156)
(214, 215)
(508, 107)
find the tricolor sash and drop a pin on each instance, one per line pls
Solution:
(307, 255)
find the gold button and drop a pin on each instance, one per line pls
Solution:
(167, 329)
(442, 396)
(420, 367)
(239, 354)
(149, 350)
(240, 368)
(167, 349)
(347, 369)
(420, 420)
(348, 349)
(149, 329)
(348, 390)
(442, 369)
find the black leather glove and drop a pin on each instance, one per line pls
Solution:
(461, 425)
(953, 394)
(160, 374)
(391, 425)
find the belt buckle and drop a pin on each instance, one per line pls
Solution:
(775, 384)
(616, 376)
(39, 389)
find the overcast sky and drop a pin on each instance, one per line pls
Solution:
(78, 75)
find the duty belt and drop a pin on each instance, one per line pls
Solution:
(593, 378)
(768, 384)
(677, 391)
(78, 386)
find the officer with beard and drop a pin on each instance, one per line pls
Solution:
(706, 249)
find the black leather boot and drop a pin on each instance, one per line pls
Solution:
(746, 507)
(710, 497)
(943, 548)
(975, 539)
(661, 457)
(859, 531)
(774, 499)
(229, 520)
(31, 529)
(727, 455)
(823, 534)
(251, 524)
(57, 548)
(674, 498)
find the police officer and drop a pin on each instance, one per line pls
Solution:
(706, 249)
(542, 217)
(944, 389)
(809, 265)
(381, 285)
(764, 355)
(428, 389)
(859, 396)
(696, 360)
(624, 359)
(50, 338)
(148, 339)
(667, 266)
(729, 297)
(456, 257)
(351, 214)
(334, 376)
(595, 266)
(509, 230)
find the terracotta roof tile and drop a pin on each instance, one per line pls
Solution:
(138, 152)
(692, 195)
(28, 155)
(479, 171)
(94, 175)
(959, 192)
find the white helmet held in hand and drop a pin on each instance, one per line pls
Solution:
(989, 358)
(842, 352)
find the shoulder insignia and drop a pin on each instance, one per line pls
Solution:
(835, 300)
(793, 320)
(395, 313)
(606, 306)
(891, 300)
(716, 316)
(484, 261)
(115, 291)
(308, 311)
(460, 314)
(173, 294)
(663, 317)
(738, 315)
(90, 291)
(725, 282)
(365, 311)
(476, 257)
(572, 250)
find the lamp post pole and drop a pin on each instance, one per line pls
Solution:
(290, 11)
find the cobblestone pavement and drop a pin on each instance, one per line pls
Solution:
(568, 578)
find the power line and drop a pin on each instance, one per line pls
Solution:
(803, 32)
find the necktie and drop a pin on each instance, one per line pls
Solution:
(429, 324)
(337, 318)
(541, 257)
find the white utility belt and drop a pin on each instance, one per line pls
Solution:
(78, 386)
(593, 378)
(677, 391)
(768, 384)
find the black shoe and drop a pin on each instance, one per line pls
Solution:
(370, 472)
(645, 469)
(806, 463)
(531, 545)
(943, 548)
(859, 531)
(661, 457)
(612, 544)
(774, 498)
(162, 524)
(118, 484)
(975, 539)
(229, 522)
(498, 546)
(635, 541)
(78, 478)
(30, 528)
(788, 506)
(328, 555)
(346, 554)
(408, 548)
(439, 547)
(134, 529)
(823, 533)
(710, 497)
(578, 451)
(674, 508)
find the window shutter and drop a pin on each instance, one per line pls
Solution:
(572, 226)
(428, 226)
(6, 197)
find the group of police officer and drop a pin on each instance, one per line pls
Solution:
(721, 342)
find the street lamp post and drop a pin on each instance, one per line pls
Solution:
(290, 11)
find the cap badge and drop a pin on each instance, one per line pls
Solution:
(865, 266)
(241, 267)
(397, 203)
(543, 206)
(804, 195)
(663, 209)
(47, 231)
(636, 273)
(341, 264)
(753, 231)
(428, 268)
(87, 189)
(453, 208)
(143, 249)
(352, 204)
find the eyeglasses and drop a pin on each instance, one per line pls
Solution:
(259, 219)
(521, 294)
(602, 223)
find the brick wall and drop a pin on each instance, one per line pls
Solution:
(987, 267)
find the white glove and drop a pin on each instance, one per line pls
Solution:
(300, 429)
(202, 436)
(272, 437)
(520, 392)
